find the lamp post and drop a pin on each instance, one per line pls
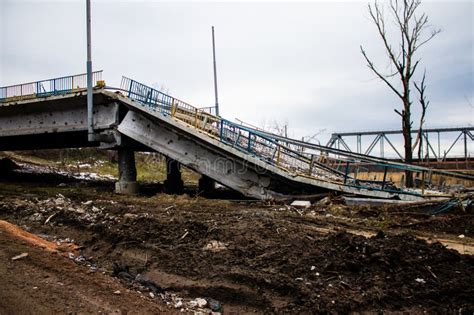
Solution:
(215, 71)
(90, 110)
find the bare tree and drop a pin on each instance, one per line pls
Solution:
(424, 105)
(414, 32)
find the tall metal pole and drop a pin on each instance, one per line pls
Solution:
(215, 71)
(90, 120)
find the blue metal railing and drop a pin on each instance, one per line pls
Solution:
(298, 158)
(47, 87)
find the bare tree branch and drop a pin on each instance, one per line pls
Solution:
(414, 32)
(371, 66)
(424, 105)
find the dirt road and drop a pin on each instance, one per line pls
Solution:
(46, 282)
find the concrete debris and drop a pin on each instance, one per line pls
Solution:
(301, 204)
(215, 246)
(21, 256)
(200, 302)
(324, 202)
(420, 280)
(130, 216)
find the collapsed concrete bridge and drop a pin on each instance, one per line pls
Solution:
(53, 114)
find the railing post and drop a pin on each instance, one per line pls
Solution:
(278, 154)
(311, 164)
(173, 108)
(346, 174)
(196, 118)
(422, 182)
(221, 132)
(249, 145)
(384, 177)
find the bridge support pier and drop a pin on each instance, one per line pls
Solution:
(127, 183)
(173, 183)
(206, 184)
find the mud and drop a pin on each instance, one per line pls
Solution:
(253, 257)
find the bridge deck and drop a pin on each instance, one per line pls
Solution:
(254, 162)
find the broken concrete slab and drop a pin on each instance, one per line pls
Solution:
(301, 204)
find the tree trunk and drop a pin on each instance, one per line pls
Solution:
(408, 143)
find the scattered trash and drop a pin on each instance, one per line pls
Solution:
(214, 305)
(152, 295)
(461, 236)
(184, 235)
(21, 256)
(178, 304)
(122, 272)
(117, 292)
(49, 218)
(313, 267)
(87, 203)
(301, 204)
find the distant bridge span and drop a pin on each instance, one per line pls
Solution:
(438, 150)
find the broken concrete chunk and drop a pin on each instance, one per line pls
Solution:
(215, 246)
(201, 302)
(301, 204)
(21, 256)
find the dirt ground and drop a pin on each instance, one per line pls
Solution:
(169, 253)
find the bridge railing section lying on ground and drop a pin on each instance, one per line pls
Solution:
(47, 87)
(317, 162)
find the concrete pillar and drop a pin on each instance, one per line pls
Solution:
(173, 183)
(127, 183)
(206, 184)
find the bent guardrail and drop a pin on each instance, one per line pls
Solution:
(299, 159)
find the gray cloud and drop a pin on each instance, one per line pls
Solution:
(284, 61)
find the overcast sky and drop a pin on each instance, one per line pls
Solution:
(277, 61)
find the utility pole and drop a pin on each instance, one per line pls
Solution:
(215, 71)
(90, 110)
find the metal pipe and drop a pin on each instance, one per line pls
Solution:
(90, 109)
(215, 71)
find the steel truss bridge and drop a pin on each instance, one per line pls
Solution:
(434, 145)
